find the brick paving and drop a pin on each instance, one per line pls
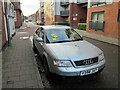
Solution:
(19, 65)
(0, 41)
(0, 70)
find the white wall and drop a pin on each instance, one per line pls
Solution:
(10, 11)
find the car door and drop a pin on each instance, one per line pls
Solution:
(39, 45)
(36, 35)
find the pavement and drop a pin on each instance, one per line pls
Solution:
(0, 70)
(0, 60)
(99, 37)
(19, 64)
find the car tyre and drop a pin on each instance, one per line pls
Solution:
(34, 47)
(48, 74)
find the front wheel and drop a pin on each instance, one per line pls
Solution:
(34, 47)
(48, 74)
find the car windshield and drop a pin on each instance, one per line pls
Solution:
(57, 36)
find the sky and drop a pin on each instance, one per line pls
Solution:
(29, 6)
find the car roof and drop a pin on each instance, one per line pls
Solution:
(49, 27)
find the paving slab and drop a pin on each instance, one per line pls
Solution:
(19, 65)
(99, 37)
(0, 70)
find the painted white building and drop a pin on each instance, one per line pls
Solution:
(10, 13)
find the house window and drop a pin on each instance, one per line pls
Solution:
(66, 20)
(97, 21)
(119, 16)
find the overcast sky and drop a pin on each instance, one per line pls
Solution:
(29, 6)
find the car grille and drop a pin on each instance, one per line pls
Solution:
(86, 61)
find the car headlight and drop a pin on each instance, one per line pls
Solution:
(101, 56)
(61, 63)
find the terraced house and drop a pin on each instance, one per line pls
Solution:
(18, 14)
(103, 17)
(9, 20)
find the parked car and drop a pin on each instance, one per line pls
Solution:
(30, 20)
(66, 53)
(26, 21)
(40, 22)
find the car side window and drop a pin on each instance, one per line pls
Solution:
(38, 32)
(41, 34)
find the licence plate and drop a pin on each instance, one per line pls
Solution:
(87, 72)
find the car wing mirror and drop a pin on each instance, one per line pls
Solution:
(39, 39)
(81, 36)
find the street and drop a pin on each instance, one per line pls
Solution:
(78, 47)
(108, 78)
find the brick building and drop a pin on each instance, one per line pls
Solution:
(1, 28)
(78, 13)
(65, 11)
(104, 18)
(17, 12)
(41, 12)
(7, 25)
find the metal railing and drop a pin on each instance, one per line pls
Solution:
(82, 1)
(101, 2)
(64, 13)
(96, 25)
(83, 20)
(64, 3)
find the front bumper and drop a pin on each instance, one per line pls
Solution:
(72, 71)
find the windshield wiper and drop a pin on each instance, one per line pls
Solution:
(77, 40)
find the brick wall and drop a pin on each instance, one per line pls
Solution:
(2, 27)
(58, 18)
(76, 9)
(18, 22)
(110, 18)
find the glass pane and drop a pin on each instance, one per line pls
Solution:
(101, 17)
(94, 17)
(62, 35)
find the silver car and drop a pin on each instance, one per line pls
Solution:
(65, 53)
